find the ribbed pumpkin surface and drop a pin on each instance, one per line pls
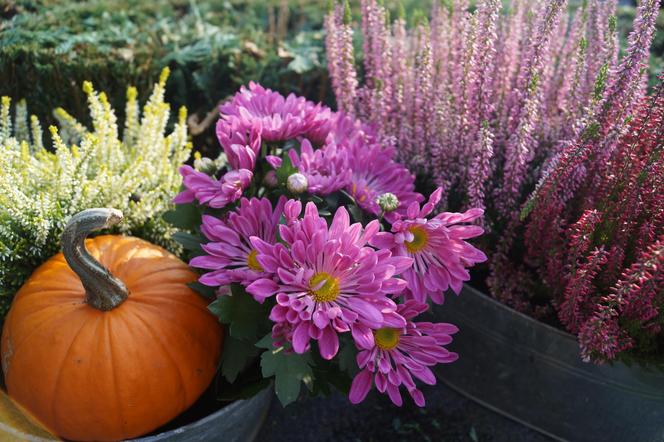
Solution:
(94, 375)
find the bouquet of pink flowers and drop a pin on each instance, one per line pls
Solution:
(319, 252)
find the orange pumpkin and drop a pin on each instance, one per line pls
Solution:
(106, 356)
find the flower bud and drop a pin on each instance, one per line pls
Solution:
(388, 202)
(297, 183)
(270, 179)
(205, 165)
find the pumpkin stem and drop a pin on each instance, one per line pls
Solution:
(103, 291)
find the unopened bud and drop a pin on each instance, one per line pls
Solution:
(271, 179)
(205, 165)
(297, 183)
(388, 202)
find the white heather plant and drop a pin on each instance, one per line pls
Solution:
(40, 187)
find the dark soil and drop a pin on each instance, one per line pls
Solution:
(448, 416)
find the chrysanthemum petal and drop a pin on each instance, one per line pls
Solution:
(360, 387)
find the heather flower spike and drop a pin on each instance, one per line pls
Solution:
(531, 112)
(45, 178)
(472, 99)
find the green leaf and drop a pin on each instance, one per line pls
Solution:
(184, 216)
(265, 342)
(237, 356)
(347, 357)
(289, 371)
(305, 54)
(332, 200)
(189, 242)
(355, 213)
(291, 144)
(247, 319)
(247, 384)
(286, 170)
(216, 307)
(203, 290)
(330, 374)
(237, 391)
(302, 63)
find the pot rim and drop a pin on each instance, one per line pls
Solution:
(262, 396)
(507, 309)
(562, 336)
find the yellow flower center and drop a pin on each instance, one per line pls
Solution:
(360, 193)
(253, 263)
(387, 338)
(323, 287)
(420, 239)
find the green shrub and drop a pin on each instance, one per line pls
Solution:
(48, 48)
(41, 188)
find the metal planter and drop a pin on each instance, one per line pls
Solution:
(532, 373)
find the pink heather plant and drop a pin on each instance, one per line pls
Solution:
(510, 100)
(437, 246)
(479, 101)
(604, 262)
(400, 353)
(229, 254)
(327, 281)
(316, 286)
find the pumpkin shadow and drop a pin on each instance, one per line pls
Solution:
(204, 406)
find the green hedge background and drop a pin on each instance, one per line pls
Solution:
(48, 48)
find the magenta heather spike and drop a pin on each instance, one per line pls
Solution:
(527, 111)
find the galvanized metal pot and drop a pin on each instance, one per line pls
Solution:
(237, 422)
(532, 373)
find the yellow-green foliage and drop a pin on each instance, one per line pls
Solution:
(40, 188)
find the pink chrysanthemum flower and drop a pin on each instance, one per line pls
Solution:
(240, 144)
(346, 128)
(207, 190)
(321, 121)
(375, 173)
(326, 169)
(279, 118)
(327, 281)
(399, 354)
(230, 255)
(282, 335)
(438, 247)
